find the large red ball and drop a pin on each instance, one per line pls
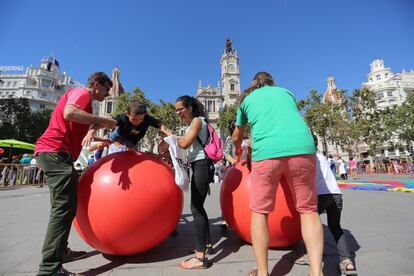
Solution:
(128, 203)
(284, 221)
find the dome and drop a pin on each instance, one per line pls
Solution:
(50, 59)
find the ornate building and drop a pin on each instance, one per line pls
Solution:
(330, 95)
(42, 86)
(228, 88)
(391, 88)
(108, 105)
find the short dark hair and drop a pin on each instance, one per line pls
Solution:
(101, 78)
(136, 108)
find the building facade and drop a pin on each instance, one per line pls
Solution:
(109, 104)
(390, 88)
(215, 99)
(42, 86)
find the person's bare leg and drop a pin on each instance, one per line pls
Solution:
(312, 234)
(260, 239)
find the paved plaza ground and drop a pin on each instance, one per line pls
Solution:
(380, 226)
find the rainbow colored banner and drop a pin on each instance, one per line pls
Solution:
(378, 185)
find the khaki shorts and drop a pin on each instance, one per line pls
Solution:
(299, 173)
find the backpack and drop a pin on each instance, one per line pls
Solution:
(214, 146)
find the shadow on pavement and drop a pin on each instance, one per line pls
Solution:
(330, 255)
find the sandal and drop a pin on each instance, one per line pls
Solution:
(204, 263)
(348, 268)
(208, 251)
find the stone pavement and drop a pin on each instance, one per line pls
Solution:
(380, 226)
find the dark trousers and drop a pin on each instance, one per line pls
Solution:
(200, 187)
(62, 180)
(332, 204)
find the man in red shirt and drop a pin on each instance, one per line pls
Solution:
(56, 150)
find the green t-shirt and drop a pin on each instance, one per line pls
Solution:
(277, 127)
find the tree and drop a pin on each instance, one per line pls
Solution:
(368, 122)
(42, 118)
(17, 119)
(317, 115)
(404, 120)
(227, 117)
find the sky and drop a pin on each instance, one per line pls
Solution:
(165, 47)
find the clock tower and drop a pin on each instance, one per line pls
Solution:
(230, 74)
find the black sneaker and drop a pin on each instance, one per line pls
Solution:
(64, 272)
(71, 255)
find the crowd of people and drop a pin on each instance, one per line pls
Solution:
(21, 170)
(351, 169)
(280, 145)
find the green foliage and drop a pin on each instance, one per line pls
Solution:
(368, 122)
(351, 120)
(227, 117)
(404, 120)
(17, 120)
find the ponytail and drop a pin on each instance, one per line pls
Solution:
(197, 106)
(260, 79)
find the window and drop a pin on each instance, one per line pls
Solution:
(209, 106)
(380, 95)
(43, 95)
(386, 75)
(46, 83)
(232, 86)
(389, 93)
(378, 77)
(42, 106)
(14, 83)
(109, 107)
(370, 79)
(8, 83)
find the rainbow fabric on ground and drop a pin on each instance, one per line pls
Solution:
(378, 185)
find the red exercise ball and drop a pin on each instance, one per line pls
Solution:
(128, 203)
(284, 221)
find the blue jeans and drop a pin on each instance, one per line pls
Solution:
(115, 135)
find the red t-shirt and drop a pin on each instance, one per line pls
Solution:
(62, 135)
